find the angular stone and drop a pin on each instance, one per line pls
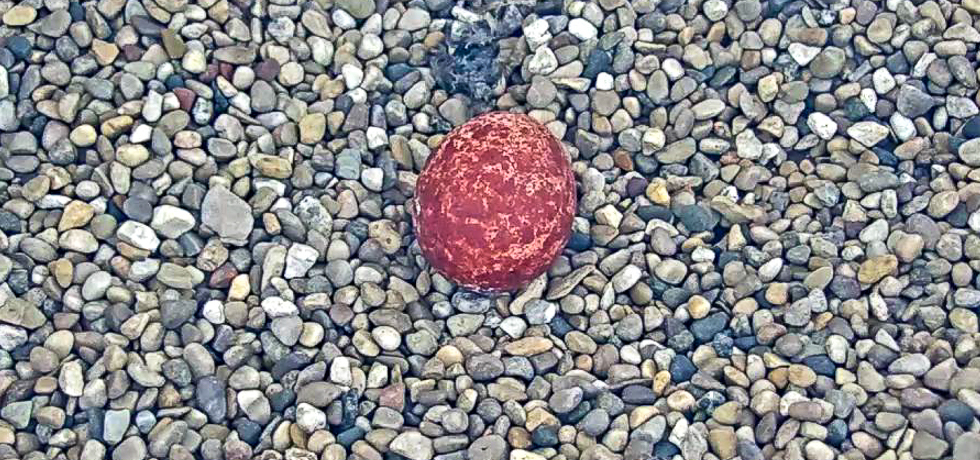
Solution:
(412, 445)
(876, 268)
(868, 133)
(226, 214)
(21, 313)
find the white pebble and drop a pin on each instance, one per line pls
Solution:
(214, 311)
(604, 82)
(822, 125)
(582, 29)
(343, 19)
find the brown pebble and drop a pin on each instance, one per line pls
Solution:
(623, 160)
(132, 53)
(185, 97)
(210, 73)
(221, 278)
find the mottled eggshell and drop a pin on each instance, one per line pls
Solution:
(495, 202)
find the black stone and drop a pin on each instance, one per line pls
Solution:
(971, 129)
(722, 77)
(836, 432)
(845, 287)
(638, 395)
(7, 60)
(646, 165)
(821, 364)
(701, 76)
(518, 366)
(279, 401)
(559, 326)
(545, 435)
(954, 410)
(146, 25)
(649, 212)
(723, 344)
(290, 362)
(221, 102)
(639, 447)
(665, 450)
(881, 357)
(248, 431)
(224, 338)
(886, 157)
(579, 242)
(10, 223)
(489, 410)
(395, 72)
(76, 11)
(959, 216)
(855, 110)
(599, 61)
(544, 362)
(749, 450)
(348, 437)
(745, 343)
(173, 82)
(18, 281)
(675, 296)
(173, 313)
(609, 402)
(96, 422)
(115, 212)
(697, 218)
(636, 187)
(710, 401)
(704, 329)
(37, 125)
(577, 414)
(548, 7)
(20, 47)
(896, 63)
(669, 6)
(63, 153)
(116, 315)
(682, 369)
(509, 19)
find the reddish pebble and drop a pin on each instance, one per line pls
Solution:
(226, 70)
(221, 278)
(495, 202)
(636, 186)
(210, 73)
(341, 314)
(132, 53)
(267, 70)
(393, 396)
(185, 97)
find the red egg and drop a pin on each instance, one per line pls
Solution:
(495, 202)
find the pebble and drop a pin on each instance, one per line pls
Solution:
(412, 445)
(227, 215)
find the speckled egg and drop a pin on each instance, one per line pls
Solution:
(495, 202)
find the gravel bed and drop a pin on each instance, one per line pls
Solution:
(206, 248)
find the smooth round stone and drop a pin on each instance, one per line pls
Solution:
(138, 209)
(386, 337)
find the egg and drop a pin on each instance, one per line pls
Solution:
(495, 202)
